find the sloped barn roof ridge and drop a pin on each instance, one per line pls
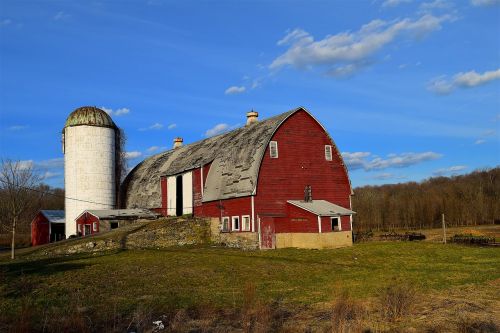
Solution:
(235, 158)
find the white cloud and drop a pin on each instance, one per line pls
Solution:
(49, 174)
(485, 2)
(51, 163)
(368, 162)
(26, 164)
(234, 90)
(347, 52)
(155, 126)
(451, 170)
(386, 175)
(479, 141)
(18, 127)
(5, 22)
(217, 129)
(172, 126)
(61, 16)
(155, 148)
(394, 3)
(437, 4)
(442, 85)
(122, 111)
(132, 154)
(118, 112)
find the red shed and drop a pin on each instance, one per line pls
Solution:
(47, 226)
(282, 179)
(94, 220)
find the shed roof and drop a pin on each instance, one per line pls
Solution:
(54, 216)
(322, 207)
(235, 161)
(116, 214)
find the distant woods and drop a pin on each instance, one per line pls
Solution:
(465, 200)
(44, 197)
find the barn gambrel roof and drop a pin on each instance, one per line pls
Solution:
(235, 159)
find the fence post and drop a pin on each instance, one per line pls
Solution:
(444, 229)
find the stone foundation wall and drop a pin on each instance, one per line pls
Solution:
(242, 240)
(327, 240)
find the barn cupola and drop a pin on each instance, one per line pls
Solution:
(178, 142)
(252, 117)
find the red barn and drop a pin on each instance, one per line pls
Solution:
(47, 226)
(281, 179)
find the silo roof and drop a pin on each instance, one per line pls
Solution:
(90, 116)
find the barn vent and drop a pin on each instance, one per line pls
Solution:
(252, 117)
(308, 194)
(178, 142)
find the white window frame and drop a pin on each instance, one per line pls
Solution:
(94, 226)
(328, 148)
(233, 218)
(243, 217)
(228, 229)
(339, 223)
(275, 144)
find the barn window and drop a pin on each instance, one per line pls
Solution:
(225, 224)
(245, 223)
(236, 222)
(336, 224)
(273, 149)
(328, 152)
(94, 226)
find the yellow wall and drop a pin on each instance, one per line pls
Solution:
(327, 240)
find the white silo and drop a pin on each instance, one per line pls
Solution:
(90, 144)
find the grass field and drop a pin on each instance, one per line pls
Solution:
(190, 286)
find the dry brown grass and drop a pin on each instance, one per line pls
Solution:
(396, 300)
(347, 315)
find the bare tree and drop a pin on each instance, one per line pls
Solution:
(17, 180)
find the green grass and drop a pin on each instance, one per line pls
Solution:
(176, 278)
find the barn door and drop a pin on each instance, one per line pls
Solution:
(267, 237)
(178, 203)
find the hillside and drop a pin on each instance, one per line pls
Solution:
(466, 200)
(128, 285)
(147, 234)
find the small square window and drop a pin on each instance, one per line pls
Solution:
(245, 223)
(328, 152)
(236, 222)
(336, 224)
(225, 224)
(273, 149)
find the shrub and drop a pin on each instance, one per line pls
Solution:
(346, 314)
(396, 300)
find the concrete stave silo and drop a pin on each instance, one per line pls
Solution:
(91, 157)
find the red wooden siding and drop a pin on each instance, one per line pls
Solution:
(230, 207)
(40, 230)
(301, 161)
(197, 196)
(164, 197)
(88, 219)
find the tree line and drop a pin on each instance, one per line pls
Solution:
(22, 194)
(470, 199)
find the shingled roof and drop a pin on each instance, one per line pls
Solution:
(235, 158)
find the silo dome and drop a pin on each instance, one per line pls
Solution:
(90, 116)
(91, 147)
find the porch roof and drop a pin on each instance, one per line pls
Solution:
(322, 207)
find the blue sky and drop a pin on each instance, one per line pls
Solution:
(407, 89)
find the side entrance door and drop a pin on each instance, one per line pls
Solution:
(87, 230)
(267, 235)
